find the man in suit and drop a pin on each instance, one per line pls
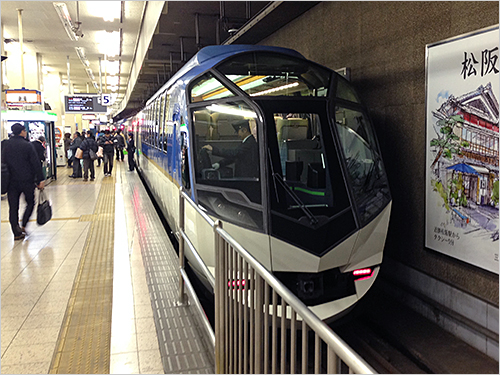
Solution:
(25, 173)
(245, 157)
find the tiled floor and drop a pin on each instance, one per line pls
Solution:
(37, 277)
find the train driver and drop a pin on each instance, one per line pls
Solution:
(245, 157)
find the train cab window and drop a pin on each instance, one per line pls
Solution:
(364, 163)
(207, 87)
(346, 91)
(302, 158)
(227, 164)
(272, 74)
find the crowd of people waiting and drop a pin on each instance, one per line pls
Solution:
(22, 165)
(82, 149)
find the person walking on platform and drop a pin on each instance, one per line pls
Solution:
(130, 152)
(25, 172)
(77, 167)
(108, 145)
(120, 145)
(88, 163)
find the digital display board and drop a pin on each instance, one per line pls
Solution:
(83, 104)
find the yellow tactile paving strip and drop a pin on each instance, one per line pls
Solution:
(83, 345)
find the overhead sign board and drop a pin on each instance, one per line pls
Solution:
(23, 96)
(83, 103)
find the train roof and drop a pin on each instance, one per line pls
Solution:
(209, 56)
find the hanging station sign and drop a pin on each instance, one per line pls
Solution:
(83, 103)
(21, 97)
(462, 111)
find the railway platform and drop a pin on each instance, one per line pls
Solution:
(95, 289)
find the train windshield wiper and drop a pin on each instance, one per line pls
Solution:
(298, 201)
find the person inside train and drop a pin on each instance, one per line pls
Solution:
(245, 157)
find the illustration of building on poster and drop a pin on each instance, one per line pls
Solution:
(462, 148)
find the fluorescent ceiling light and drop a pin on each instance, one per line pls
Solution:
(279, 88)
(109, 43)
(62, 12)
(113, 67)
(231, 110)
(112, 80)
(80, 51)
(90, 74)
(108, 10)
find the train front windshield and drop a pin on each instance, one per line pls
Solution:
(315, 149)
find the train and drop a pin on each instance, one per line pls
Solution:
(282, 151)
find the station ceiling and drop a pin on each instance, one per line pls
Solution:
(184, 27)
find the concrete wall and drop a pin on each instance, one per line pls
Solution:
(384, 45)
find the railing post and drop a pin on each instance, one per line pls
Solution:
(219, 300)
(181, 299)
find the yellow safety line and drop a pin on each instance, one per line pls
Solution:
(84, 342)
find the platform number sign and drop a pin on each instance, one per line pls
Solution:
(106, 99)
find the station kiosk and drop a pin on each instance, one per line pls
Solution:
(37, 123)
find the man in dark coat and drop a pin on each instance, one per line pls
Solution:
(39, 146)
(77, 167)
(107, 142)
(120, 145)
(131, 152)
(25, 173)
(245, 157)
(88, 163)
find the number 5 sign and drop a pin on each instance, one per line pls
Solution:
(106, 99)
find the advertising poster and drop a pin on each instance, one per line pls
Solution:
(462, 76)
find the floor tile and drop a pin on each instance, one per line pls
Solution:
(124, 363)
(26, 337)
(27, 354)
(27, 368)
(150, 362)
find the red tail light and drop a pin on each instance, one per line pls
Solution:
(362, 274)
(236, 283)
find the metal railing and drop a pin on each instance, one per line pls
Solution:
(260, 325)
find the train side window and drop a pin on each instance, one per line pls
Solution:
(207, 87)
(185, 161)
(226, 162)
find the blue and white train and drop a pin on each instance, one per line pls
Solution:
(316, 209)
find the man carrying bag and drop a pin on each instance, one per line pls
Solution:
(25, 174)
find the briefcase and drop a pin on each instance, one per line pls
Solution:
(44, 210)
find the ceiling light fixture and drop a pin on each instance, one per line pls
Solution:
(113, 67)
(108, 10)
(109, 43)
(80, 51)
(73, 31)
